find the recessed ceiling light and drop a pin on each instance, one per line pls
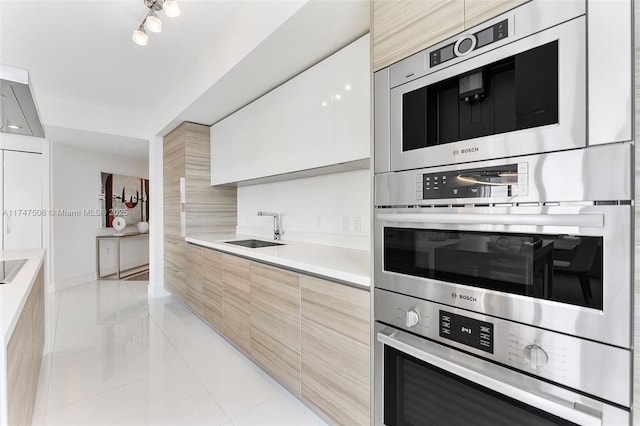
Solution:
(14, 127)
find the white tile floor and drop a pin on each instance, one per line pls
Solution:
(118, 358)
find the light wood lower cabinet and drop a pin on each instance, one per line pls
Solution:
(335, 349)
(310, 334)
(212, 288)
(194, 285)
(236, 282)
(275, 322)
(24, 356)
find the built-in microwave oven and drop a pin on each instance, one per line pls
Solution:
(515, 85)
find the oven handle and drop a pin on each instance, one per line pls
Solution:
(409, 344)
(595, 220)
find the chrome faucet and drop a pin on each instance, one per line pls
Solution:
(276, 223)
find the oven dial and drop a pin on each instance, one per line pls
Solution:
(411, 318)
(536, 356)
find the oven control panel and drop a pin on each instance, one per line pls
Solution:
(468, 331)
(499, 181)
(556, 357)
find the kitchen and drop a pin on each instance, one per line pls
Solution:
(354, 209)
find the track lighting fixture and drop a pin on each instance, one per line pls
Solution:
(151, 20)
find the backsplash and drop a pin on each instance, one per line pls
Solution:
(330, 209)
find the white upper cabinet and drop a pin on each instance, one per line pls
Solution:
(352, 104)
(317, 119)
(265, 134)
(307, 118)
(247, 144)
(222, 151)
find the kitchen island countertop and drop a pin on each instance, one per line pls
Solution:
(14, 294)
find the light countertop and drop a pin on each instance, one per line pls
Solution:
(13, 295)
(349, 266)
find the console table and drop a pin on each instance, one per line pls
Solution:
(117, 238)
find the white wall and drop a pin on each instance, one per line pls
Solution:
(322, 209)
(156, 219)
(75, 181)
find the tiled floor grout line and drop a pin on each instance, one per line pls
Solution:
(139, 379)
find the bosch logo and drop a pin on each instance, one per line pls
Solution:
(468, 298)
(464, 297)
(469, 150)
(465, 150)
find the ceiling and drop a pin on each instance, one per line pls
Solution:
(88, 76)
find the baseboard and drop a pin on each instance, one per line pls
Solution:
(155, 291)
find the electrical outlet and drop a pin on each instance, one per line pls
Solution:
(107, 251)
(356, 224)
(345, 223)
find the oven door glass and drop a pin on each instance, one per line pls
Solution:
(561, 268)
(417, 393)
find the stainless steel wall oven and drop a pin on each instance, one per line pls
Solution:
(488, 263)
(503, 225)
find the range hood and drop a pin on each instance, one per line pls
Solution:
(18, 109)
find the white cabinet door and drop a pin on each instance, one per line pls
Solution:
(307, 117)
(22, 200)
(222, 158)
(264, 135)
(248, 143)
(352, 101)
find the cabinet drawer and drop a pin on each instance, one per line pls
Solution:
(275, 322)
(335, 349)
(236, 300)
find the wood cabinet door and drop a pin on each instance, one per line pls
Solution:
(404, 27)
(213, 309)
(275, 322)
(236, 281)
(194, 278)
(174, 267)
(335, 349)
(478, 11)
(173, 170)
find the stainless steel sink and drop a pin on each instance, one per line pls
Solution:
(9, 269)
(254, 243)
